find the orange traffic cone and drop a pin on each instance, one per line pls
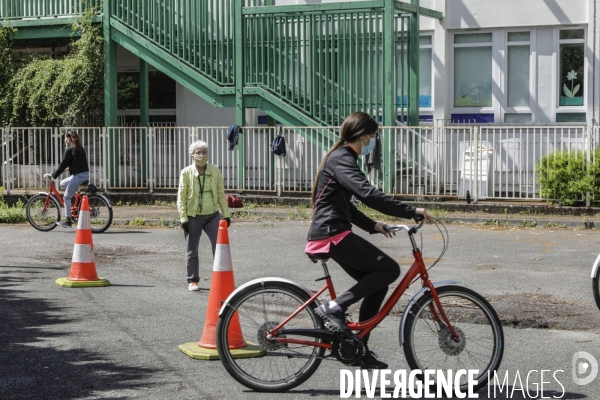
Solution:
(221, 287)
(83, 268)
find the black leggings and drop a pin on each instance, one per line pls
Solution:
(373, 270)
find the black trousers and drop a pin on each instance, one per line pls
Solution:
(372, 269)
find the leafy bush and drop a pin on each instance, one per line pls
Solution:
(47, 92)
(566, 177)
(12, 215)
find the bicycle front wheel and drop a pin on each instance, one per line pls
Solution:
(43, 212)
(269, 366)
(430, 345)
(101, 213)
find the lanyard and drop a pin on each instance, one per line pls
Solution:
(201, 188)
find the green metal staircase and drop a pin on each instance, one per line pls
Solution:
(304, 65)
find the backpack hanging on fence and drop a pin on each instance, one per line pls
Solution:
(233, 201)
(278, 145)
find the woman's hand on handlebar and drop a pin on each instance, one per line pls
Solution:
(380, 227)
(47, 176)
(421, 214)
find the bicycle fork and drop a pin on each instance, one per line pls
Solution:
(439, 316)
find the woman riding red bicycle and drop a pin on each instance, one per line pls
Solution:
(339, 177)
(75, 159)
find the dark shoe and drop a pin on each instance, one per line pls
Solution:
(65, 224)
(369, 361)
(334, 320)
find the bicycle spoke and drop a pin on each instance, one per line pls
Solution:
(280, 364)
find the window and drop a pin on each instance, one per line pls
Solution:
(473, 70)
(571, 58)
(518, 69)
(425, 72)
(521, 118)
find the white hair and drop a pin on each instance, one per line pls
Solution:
(198, 144)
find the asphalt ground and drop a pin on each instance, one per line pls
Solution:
(121, 341)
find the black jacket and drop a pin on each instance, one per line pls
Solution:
(339, 179)
(75, 160)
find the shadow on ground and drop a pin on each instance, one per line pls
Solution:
(30, 368)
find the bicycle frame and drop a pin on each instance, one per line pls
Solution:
(417, 269)
(56, 193)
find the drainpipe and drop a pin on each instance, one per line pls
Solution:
(594, 71)
(590, 134)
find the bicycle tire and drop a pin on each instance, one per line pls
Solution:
(279, 367)
(42, 219)
(596, 287)
(101, 213)
(427, 346)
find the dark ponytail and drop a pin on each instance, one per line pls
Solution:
(354, 126)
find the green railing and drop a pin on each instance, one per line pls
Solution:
(19, 9)
(198, 33)
(326, 61)
(326, 64)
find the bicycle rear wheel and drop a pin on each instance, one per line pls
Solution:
(429, 344)
(273, 366)
(43, 212)
(101, 213)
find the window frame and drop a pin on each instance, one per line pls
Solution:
(425, 110)
(558, 109)
(473, 110)
(504, 108)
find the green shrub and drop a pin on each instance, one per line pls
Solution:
(12, 215)
(566, 177)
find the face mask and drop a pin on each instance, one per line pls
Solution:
(201, 161)
(368, 148)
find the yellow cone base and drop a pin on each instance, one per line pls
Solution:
(200, 353)
(65, 282)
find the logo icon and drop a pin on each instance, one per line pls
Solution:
(585, 368)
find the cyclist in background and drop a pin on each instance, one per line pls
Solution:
(330, 233)
(75, 159)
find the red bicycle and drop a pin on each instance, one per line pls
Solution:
(443, 327)
(43, 209)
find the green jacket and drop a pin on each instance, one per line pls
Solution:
(188, 194)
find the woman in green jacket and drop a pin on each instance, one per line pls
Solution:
(200, 196)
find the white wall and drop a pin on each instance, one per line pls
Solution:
(194, 111)
(463, 14)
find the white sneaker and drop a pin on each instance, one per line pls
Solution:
(193, 287)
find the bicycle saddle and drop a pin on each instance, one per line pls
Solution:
(318, 256)
(85, 183)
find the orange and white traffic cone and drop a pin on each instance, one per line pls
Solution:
(221, 287)
(83, 268)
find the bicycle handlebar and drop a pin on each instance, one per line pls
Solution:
(396, 228)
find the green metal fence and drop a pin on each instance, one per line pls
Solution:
(18, 9)
(198, 33)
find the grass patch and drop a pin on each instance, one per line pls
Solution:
(137, 221)
(492, 222)
(529, 224)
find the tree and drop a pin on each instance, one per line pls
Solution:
(50, 92)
